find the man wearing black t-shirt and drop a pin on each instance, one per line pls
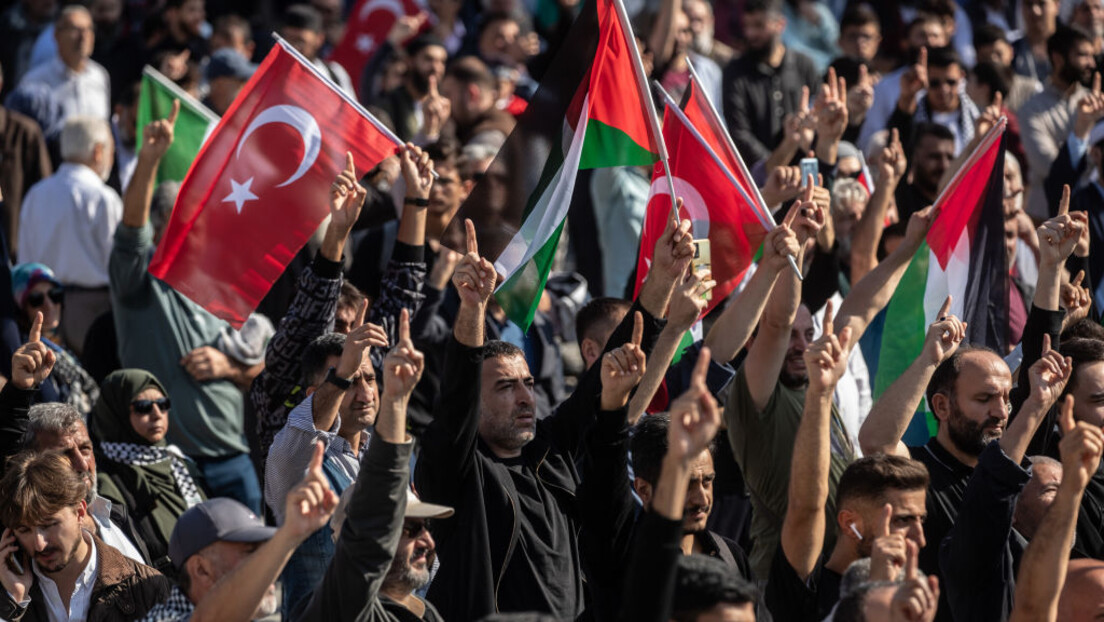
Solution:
(880, 501)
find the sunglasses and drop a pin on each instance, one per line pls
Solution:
(37, 299)
(413, 530)
(935, 83)
(145, 407)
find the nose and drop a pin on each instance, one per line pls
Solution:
(77, 459)
(39, 541)
(426, 540)
(696, 494)
(916, 534)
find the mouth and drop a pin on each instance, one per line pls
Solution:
(525, 420)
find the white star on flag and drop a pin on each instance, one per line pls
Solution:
(240, 194)
(365, 44)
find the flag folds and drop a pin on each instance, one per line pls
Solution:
(259, 187)
(591, 111)
(963, 256)
(193, 124)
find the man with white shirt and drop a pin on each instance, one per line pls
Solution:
(67, 221)
(80, 84)
(64, 572)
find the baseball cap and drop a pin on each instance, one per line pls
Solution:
(214, 520)
(227, 63)
(416, 508)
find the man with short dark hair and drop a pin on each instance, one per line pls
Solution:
(943, 100)
(80, 84)
(860, 33)
(594, 324)
(1033, 57)
(470, 88)
(301, 26)
(64, 571)
(763, 86)
(932, 152)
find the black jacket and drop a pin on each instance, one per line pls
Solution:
(512, 544)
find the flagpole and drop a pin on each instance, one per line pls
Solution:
(993, 133)
(768, 225)
(653, 116)
(386, 131)
(181, 94)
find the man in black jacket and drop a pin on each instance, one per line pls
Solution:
(512, 545)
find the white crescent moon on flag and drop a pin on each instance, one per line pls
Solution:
(691, 200)
(297, 118)
(393, 7)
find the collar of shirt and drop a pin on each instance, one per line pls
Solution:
(78, 173)
(81, 599)
(945, 458)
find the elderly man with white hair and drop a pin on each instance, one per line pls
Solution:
(80, 84)
(67, 221)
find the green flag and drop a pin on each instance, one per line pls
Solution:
(193, 124)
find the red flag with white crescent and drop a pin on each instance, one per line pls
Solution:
(259, 187)
(365, 31)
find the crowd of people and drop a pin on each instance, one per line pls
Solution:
(380, 442)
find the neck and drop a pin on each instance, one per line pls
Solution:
(412, 90)
(77, 64)
(689, 543)
(843, 555)
(404, 597)
(66, 578)
(436, 226)
(778, 52)
(351, 436)
(944, 440)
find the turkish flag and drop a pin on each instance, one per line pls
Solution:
(259, 187)
(720, 207)
(366, 29)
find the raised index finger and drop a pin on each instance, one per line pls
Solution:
(316, 459)
(473, 242)
(1063, 206)
(350, 165)
(1065, 417)
(36, 329)
(828, 318)
(1096, 83)
(911, 560)
(701, 368)
(885, 523)
(804, 106)
(433, 86)
(638, 329)
(175, 111)
(944, 310)
(361, 312)
(922, 58)
(404, 326)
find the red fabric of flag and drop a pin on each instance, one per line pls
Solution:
(367, 28)
(717, 210)
(259, 187)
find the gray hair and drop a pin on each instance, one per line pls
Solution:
(50, 418)
(846, 190)
(70, 10)
(161, 204)
(1040, 459)
(80, 135)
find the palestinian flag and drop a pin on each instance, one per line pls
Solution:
(193, 125)
(963, 255)
(592, 110)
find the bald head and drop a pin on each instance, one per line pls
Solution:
(1082, 598)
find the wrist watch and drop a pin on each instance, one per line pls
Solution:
(338, 381)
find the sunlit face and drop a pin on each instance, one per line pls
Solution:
(1040, 15)
(699, 494)
(152, 424)
(413, 557)
(932, 157)
(446, 194)
(943, 85)
(794, 373)
(75, 37)
(77, 447)
(498, 40)
(1088, 15)
(1037, 496)
(977, 413)
(1088, 393)
(46, 297)
(909, 513)
(54, 543)
(861, 41)
(762, 29)
(928, 33)
(507, 418)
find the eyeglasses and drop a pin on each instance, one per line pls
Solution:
(145, 407)
(414, 529)
(37, 299)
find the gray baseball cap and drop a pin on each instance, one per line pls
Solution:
(211, 521)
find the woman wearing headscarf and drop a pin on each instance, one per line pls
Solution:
(155, 481)
(36, 290)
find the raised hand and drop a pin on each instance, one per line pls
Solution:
(623, 368)
(914, 80)
(17, 584)
(826, 358)
(1089, 110)
(346, 197)
(32, 362)
(892, 163)
(406, 27)
(1075, 299)
(944, 335)
(436, 110)
(474, 278)
(779, 245)
(688, 301)
(175, 66)
(799, 128)
(861, 97)
(831, 108)
(1080, 447)
(675, 248)
(783, 184)
(917, 598)
(695, 416)
(1060, 235)
(403, 367)
(417, 170)
(1049, 376)
(919, 224)
(311, 503)
(989, 117)
(358, 344)
(889, 551)
(207, 363)
(157, 136)
(807, 215)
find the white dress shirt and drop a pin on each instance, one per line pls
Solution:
(67, 221)
(81, 599)
(100, 509)
(87, 92)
